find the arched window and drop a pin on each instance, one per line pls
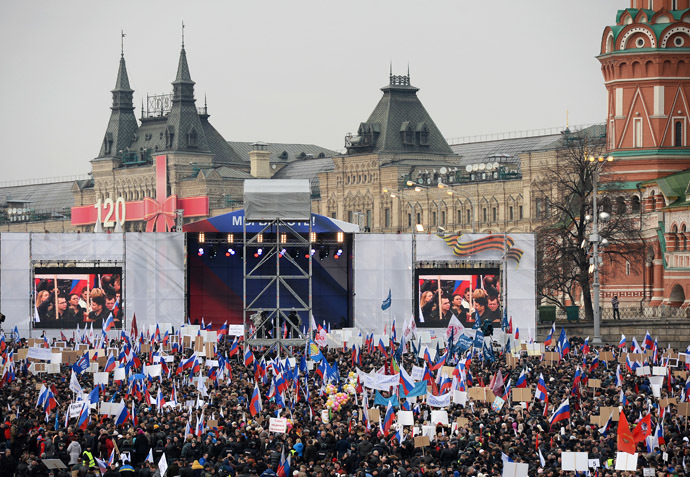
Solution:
(678, 134)
(620, 205)
(635, 204)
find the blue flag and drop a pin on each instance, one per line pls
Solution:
(419, 389)
(477, 321)
(489, 354)
(464, 343)
(82, 364)
(379, 400)
(387, 302)
(479, 339)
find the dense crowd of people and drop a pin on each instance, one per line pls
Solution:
(233, 442)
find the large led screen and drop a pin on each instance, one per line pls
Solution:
(444, 293)
(67, 297)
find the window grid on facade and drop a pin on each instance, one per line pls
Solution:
(520, 212)
(433, 218)
(459, 217)
(510, 213)
(443, 217)
(484, 214)
(494, 214)
(387, 217)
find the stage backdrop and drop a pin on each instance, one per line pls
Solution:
(383, 262)
(520, 265)
(153, 266)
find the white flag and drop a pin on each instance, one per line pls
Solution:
(74, 385)
(163, 465)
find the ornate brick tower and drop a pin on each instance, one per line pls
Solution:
(645, 60)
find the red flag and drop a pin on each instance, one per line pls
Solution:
(626, 443)
(134, 331)
(643, 429)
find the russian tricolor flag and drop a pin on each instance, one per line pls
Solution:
(541, 392)
(255, 403)
(621, 344)
(562, 413)
(388, 420)
(248, 358)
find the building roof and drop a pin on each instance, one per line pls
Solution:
(307, 169)
(475, 152)
(51, 196)
(399, 123)
(282, 153)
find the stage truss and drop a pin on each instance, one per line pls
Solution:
(279, 241)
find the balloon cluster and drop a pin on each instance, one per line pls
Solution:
(336, 401)
(351, 386)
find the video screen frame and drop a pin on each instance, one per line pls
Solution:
(100, 292)
(462, 299)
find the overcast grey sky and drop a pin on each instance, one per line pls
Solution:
(293, 71)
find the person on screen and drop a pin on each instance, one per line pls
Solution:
(493, 312)
(99, 313)
(436, 318)
(84, 301)
(111, 305)
(425, 311)
(458, 309)
(75, 308)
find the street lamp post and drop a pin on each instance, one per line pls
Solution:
(595, 240)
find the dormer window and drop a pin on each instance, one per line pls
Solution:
(192, 138)
(108, 143)
(422, 134)
(407, 134)
(169, 135)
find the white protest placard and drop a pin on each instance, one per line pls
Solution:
(210, 336)
(55, 358)
(93, 368)
(119, 374)
(593, 463)
(497, 404)
(277, 424)
(429, 431)
(192, 330)
(236, 330)
(52, 368)
(324, 416)
(460, 397)
(211, 363)
(154, 370)
(659, 370)
(417, 373)
(439, 417)
(625, 461)
(643, 371)
(75, 409)
(575, 461)
(658, 380)
(100, 378)
(514, 469)
(649, 472)
(405, 418)
(43, 354)
(438, 401)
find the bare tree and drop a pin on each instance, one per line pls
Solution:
(563, 197)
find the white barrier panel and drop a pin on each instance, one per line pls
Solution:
(383, 262)
(76, 247)
(15, 281)
(154, 278)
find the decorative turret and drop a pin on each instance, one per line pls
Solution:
(183, 130)
(645, 60)
(123, 124)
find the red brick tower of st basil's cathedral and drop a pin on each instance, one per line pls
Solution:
(645, 61)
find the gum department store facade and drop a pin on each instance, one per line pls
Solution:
(399, 171)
